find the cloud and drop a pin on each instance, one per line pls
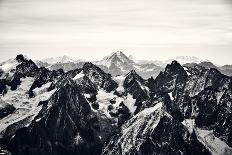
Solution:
(107, 25)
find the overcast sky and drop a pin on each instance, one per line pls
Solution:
(91, 29)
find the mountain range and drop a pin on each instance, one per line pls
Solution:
(108, 107)
(118, 63)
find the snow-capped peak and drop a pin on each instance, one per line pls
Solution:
(116, 58)
(9, 65)
(63, 59)
(187, 59)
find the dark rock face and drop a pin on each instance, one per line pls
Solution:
(134, 84)
(67, 125)
(27, 68)
(226, 69)
(20, 58)
(3, 88)
(137, 87)
(5, 109)
(64, 126)
(87, 86)
(170, 137)
(223, 125)
(202, 78)
(172, 79)
(43, 76)
(208, 108)
(99, 77)
(154, 132)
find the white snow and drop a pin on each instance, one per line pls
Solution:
(108, 60)
(149, 117)
(25, 107)
(207, 138)
(171, 97)
(185, 68)
(42, 89)
(212, 143)
(129, 102)
(120, 80)
(187, 71)
(63, 59)
(9, 65)
(87, 95)
(103, 98)
(190, 124)
(79, 75)
(186, 59)
(149, 70)
(78, 139)
(148, 111)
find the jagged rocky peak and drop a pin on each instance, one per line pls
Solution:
(26, 67)
(204, 78)
(175, 69)
(90, 69)
(154, 131)
(20, 58)
(44, 76)
(173, 77)
(132, 75)
(222, 128)
(99, 77)
(137, 87)
(65, 125)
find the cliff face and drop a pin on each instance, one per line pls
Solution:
(65, 125)
(87, 111)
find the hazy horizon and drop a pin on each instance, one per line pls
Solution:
(85, 29)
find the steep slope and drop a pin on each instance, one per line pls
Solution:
(184, 110)
(67, 112)
(22, 92)
(226, 69)
(153, 131)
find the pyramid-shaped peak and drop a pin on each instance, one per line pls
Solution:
(119, 56)
(133, 75)
(133, 72)
(119, 53)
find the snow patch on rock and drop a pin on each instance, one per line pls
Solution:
(25, 107)
(150, 117)
(189, 123)
(171, 97)
(212, 143)
(79, 75)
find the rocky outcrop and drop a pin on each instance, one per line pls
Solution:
(44, 76)
(153, 131)
(65, 125)
(3, 84)
(5, 109)
(99, 77)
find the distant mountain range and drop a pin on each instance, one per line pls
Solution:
(118, 63)
(185, 110)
